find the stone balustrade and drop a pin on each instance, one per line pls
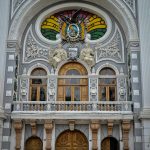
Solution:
(103, 106)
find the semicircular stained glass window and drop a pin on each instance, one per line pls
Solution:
(84, 21)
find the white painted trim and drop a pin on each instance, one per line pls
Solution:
(108, 65)
(38, 65)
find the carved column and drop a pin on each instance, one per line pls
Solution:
(125, 130)
(33, 127)
(94, 126)
(110, 127)
(18, 129)
(48, 128)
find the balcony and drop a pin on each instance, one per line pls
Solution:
(58, 106)
(72, 110)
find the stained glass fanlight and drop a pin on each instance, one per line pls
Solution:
(73, 28)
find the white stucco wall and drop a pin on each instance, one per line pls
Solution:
(144, 26)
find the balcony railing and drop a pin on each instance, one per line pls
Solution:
(110, 106)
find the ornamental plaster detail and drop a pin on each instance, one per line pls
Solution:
(131, 6)
(114, 50)
(93, 89)
(33, 50)
(122, 88)
(52, 88)
(24, 89)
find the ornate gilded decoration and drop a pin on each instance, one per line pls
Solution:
(73, 25)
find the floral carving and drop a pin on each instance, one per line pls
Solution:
(33, 50)
(112, 51)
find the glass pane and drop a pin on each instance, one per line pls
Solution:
(34, 94)
(76, 93)
(112, 93)
(68, 93)
(42, 94)
(107, 81)
(73, 72)
(103, 93)
(36, 81)
(107, 71)
(38, 72)
(72, 81)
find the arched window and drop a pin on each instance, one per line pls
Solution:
(72, 83)
(107, 85)
(38, 85)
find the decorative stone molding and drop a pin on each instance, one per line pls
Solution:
(71, 125)
(114, 50)
(52, 88)
(110, 127)
(88, 55)
(33, 50)
(24, 88)
(33, 127)
(57, 56)
(93, 89)
(48, 128)
(18, 129)
(95, 124)
(122, 88)
(125, 133)
(131, 5)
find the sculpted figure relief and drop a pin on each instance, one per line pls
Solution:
(56, 56)
(87, 55)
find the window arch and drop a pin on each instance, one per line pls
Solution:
(107, 85)
(72, 82)
(38, 85)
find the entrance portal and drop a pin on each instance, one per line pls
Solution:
(71, 140)
(34, 143)
(109, 143)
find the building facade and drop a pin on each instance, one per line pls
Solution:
(74, 75)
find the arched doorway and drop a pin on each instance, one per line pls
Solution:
(34, 143)
(109, 143)
(72, 82)
(72, 140)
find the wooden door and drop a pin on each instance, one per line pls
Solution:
(72, 140)
(109, 143)
(34, 143)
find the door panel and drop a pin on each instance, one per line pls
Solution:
(72, 140)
